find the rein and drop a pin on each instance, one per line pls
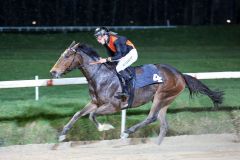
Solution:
(91, 63)
(68, 69)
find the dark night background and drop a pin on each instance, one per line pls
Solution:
(118, 12)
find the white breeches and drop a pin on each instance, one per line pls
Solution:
(127, 60)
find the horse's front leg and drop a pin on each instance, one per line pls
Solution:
(104, 109)
(90, 107)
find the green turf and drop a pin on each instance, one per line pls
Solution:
(189, 49)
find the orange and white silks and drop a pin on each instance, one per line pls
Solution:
(128, 59)
(111, 45)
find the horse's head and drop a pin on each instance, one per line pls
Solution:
(75, 56)
(66, 62)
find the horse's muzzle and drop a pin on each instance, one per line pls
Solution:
(55, 74)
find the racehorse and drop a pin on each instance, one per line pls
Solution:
(103, 85)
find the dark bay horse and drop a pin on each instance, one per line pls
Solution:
(104, 84)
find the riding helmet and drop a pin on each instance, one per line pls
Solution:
(100, 31)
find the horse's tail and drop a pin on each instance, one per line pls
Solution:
(195, 86)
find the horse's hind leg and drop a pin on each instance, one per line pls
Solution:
(164, 124)
(86, 110)
(162, 116)
(152, 116)
(158, 111)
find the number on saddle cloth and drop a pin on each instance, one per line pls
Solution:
(149, 75)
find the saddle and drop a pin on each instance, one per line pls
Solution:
(142, 76)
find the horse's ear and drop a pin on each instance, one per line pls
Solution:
(76, 46)
(72, 44)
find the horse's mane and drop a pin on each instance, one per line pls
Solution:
(93, 54)
(88, 50)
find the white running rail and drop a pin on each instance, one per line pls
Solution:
(81, 80)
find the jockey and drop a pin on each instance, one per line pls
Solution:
(120, 50)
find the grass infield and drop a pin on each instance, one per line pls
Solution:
(189, 49)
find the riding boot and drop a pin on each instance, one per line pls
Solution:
(124, 84)
(126, 75)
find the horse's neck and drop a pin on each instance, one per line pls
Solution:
(100, 77)
(98, 74)
(90, 71)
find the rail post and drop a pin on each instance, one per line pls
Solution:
(36, 90)
(123, 120)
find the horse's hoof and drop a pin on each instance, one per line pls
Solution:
(124, 135)
(61, 138)
(105, 127)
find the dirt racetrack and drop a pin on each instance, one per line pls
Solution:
(197, 147)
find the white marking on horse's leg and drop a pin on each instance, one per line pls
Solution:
(104, 127)
(124, 135)
(61, 138)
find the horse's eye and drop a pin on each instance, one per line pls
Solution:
(66, 56)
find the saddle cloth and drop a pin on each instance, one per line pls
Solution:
(149, 75)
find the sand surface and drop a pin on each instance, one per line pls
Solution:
(197, 147)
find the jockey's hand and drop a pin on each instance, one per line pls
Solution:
(102, 60)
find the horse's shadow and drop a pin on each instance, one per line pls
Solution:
(53, 116)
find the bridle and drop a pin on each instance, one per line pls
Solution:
(68, 69)
(81, 66)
